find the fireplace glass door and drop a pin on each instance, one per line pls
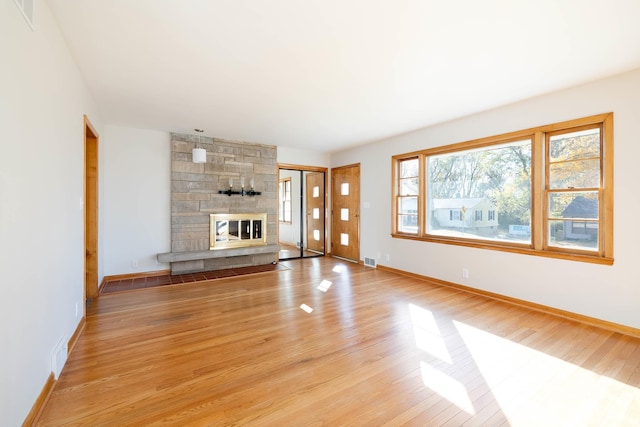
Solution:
(237, 230)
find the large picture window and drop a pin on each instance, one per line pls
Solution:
(544, 191)
(475, 182)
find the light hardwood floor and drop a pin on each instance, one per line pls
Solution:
(377, 349)
(288, 252)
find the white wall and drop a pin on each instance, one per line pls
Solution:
(41, 216)
(610, 293)
(296, 156)
(137, 199)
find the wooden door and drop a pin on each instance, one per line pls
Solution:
(315, 211)
(90, 210)
(345, 212)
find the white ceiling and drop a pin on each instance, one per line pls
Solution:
(328, 74)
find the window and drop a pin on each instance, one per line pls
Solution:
(407, 195)
(546, 191)
(284, 196)
(573, 188)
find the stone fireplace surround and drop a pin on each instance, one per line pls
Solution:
(194, 197)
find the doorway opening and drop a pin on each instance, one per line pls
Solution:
(302, 211)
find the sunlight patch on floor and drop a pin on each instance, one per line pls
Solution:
(428, 339)
(306, 308)
(427, 333)
(528, 384)
(447, 387)
(324, 285)
(338, 269)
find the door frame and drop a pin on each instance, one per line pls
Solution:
(91, 161)
(306, 168)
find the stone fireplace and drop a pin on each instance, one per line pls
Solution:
(199, 205)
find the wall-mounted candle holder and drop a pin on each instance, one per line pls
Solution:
(242, 192)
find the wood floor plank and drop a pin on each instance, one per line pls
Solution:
(377, 349)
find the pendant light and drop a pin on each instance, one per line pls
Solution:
(199, 154)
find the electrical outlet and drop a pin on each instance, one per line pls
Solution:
(388, 257)
(77, 309)
(134, 263)
(465, 273)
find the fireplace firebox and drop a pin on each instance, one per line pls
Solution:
(237, 230)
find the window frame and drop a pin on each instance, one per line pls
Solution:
(549, 190)
(400, 196)
(539, 244)
(283, 183)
